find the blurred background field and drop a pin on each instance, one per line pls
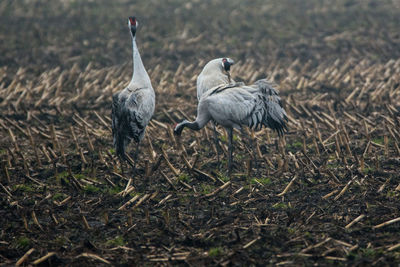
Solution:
(39, 34)
(327, 193)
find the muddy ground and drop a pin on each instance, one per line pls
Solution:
(326, 193)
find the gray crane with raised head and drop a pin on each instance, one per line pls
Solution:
(238, 105)
(133, 107)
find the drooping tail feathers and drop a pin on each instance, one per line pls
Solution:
(274, 116)
(120, 140)
(127, 124)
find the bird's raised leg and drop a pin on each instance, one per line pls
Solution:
(230, 147)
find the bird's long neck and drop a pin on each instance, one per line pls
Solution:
(185, 123)
(139, 72)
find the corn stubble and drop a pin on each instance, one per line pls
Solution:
(327, 190)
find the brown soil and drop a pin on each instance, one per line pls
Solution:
(326, 193)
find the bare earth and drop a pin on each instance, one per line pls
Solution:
(328, 193)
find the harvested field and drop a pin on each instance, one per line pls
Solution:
(326, 193)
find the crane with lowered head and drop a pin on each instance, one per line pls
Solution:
(236, 105)
(216, 72)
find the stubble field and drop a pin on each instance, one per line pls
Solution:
(326, 193)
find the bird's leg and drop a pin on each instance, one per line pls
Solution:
(216, 141)
(250, 140)
(132, 161)
(230, 137)
(122, 162)
(135, 156)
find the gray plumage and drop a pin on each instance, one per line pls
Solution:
(133, 107)
(214, 73)
(237, 105)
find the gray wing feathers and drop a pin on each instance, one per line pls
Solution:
(206, 83)
(254, 106)
(274, 115)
